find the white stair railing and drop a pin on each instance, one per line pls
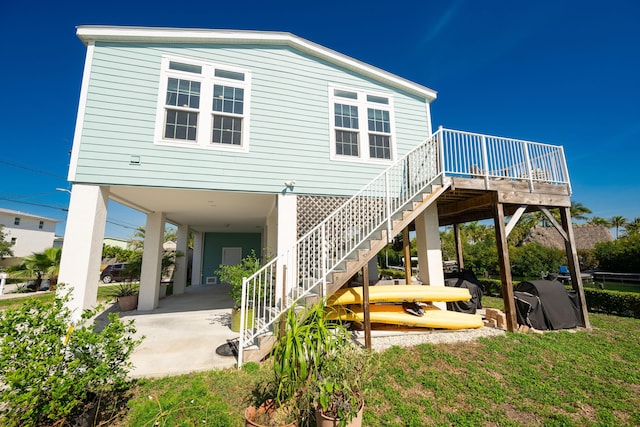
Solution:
(302, 271)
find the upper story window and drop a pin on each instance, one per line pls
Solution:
(40, 225)
(361, 125)
(16, 221)
(203, 105)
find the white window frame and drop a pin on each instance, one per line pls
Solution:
(207, 79)
(363, 129)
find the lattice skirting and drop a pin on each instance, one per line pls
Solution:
(312, 210)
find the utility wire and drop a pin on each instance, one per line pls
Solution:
(15, 165)
(123, 224)
(34, 204)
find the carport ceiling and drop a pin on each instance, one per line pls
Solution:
(201, 210)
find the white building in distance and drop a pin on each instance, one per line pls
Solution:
(28, 233)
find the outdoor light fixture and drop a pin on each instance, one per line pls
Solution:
(290, 184)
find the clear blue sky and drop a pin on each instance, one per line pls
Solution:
(559, 72)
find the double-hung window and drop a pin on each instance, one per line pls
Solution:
(203, 105)
(361, 125)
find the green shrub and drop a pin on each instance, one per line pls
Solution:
(531, 259)
(49, 370)
(391, 273)
(621, 256)
(625, 304)
(491, 287)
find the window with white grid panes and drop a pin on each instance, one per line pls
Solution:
(203, 105)
(361, 125)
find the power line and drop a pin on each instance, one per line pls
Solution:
(35, 204)
(15, 165)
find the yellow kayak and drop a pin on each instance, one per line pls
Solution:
(396, 315)
(400, 293)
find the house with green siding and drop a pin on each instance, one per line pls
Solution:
(257, 140)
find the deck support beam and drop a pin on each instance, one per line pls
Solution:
(574, 265)
(459, 249)
(365, 306)
(406, 242)
(504, 264)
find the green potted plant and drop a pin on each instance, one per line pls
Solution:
(339, 386)
(233, 275)
(284, 398)
(127, 296)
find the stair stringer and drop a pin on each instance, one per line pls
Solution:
(376, 245)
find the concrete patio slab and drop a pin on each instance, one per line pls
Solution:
(183, 332)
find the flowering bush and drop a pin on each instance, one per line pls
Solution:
(49, 369)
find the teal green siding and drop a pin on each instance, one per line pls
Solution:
(214, 242)
(289, 120)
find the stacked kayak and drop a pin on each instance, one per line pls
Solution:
(408, 305)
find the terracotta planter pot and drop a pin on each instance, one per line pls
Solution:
(323, 420)
(128, 303)
(252, 412)
(235, 319)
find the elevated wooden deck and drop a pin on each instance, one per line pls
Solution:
(473, 199)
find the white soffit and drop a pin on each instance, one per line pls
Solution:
(96, 33)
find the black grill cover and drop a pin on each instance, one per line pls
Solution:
(465, 279)
(558, 309)
(529, 310)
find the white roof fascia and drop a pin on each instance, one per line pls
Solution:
(27, 215)
(90, 33)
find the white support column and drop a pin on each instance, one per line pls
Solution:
(150, 275)
(287, 236)
(182, 260)
(196, 265)
(270, 234)
(429, 250)
(82, 250)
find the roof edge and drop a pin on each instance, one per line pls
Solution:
(121, 34)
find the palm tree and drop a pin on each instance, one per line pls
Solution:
(136, 241)
(598, 220)
(632, 227)
(45, 264)
(579, 211)
(617, 222)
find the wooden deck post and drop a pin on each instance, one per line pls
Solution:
(574, 265)
(458, 239)
(365, 306)
(407, 255)
(504, 264)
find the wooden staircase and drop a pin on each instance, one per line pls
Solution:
(380, 239)
(358, 259)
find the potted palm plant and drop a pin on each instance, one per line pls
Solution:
(284, 399)
(233, 275)
(126, 295)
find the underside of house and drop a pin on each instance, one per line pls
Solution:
(342, 159)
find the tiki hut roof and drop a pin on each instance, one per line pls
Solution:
(586, 236)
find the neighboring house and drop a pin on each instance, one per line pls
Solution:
(586, 236)
(252, 140)
(117, 242)
(28, 233)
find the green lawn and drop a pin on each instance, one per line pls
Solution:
(103, 295)
(554, 379)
